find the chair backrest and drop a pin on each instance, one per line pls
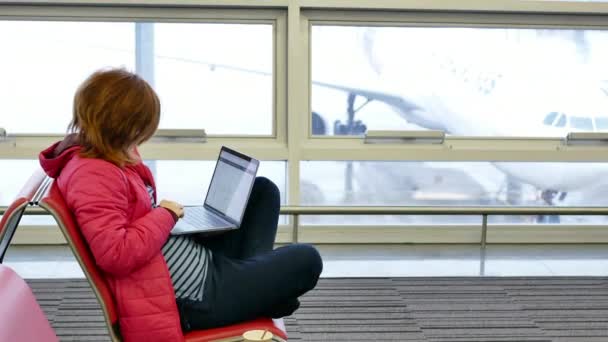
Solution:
(10, 221)
(21, 318)
(12, 216)
(54, 203)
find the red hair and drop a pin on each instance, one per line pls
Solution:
(114, 111)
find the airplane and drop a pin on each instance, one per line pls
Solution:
(431, 91)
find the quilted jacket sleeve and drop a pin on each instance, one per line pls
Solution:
(98, 196)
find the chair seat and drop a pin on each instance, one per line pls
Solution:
(235, 332)
(21, 318)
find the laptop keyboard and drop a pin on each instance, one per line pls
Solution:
(199, 217)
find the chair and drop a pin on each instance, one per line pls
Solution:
(21, 318)
(11, 218)
(56, 206)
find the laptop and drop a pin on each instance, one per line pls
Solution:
(227, 196)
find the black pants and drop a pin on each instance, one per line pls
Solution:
(247, 279)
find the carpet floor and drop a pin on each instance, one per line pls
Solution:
(397, 309)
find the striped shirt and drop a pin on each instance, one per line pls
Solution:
(187, 261)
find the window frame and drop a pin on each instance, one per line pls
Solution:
(466, 148)
(459, 148)
(271, 146)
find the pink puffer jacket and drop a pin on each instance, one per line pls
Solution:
(125, 235)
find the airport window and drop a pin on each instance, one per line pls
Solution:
(42, 63)
(197, 77)
(503, 86)
(438, 78)
(193, 75)
(390, 183)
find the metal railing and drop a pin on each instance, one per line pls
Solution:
(297, 211)
(437, 210)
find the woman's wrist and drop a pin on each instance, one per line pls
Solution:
(173, 214)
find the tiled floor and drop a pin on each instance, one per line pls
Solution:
(384, 260)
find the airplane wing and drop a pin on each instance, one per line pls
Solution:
(390, 99)
(405, 108)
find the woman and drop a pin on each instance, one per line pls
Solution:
(165, 284)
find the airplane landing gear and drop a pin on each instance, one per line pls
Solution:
(357, 128)
(548, 196)
(352, 126)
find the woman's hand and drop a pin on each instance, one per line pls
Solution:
(175, 207)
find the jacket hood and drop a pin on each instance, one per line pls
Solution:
(56, 156)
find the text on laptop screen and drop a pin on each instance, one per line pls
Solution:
(230, 186)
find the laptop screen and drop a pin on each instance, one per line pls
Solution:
(231, 184)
